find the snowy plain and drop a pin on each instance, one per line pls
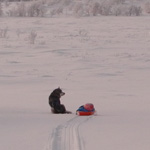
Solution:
(102, 60)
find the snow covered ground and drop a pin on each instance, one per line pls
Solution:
(102, 60)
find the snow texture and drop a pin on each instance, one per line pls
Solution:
(99, 60)
(67, 136)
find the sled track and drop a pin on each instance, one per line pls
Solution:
(67, 136)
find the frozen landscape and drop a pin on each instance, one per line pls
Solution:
(101, 60)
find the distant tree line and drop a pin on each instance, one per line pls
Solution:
(14, 0)
(79, 8)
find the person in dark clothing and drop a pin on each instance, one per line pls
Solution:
(54, 102)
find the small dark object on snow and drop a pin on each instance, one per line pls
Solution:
(54, 102)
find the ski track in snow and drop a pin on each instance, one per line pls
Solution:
(67, 136)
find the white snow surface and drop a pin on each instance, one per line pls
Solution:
(101, 60)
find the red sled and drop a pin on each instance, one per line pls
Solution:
(82, 113)
(86, 110)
